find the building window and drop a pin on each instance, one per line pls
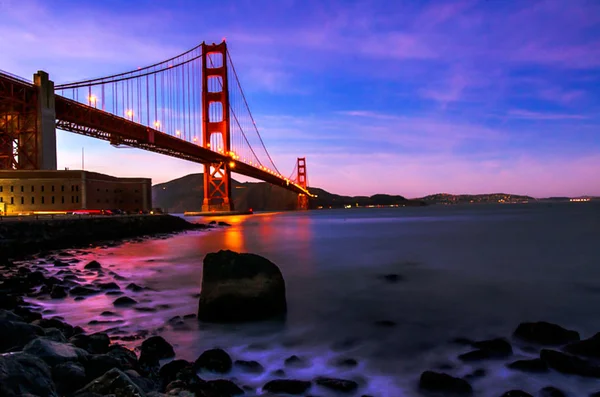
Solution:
(1, 199)
(42, 200)
(0, 189)
(62, 188)
(22, 188)
(42, 188)
(62, 200)
(32, 189)
(22, 200)
(12, 200)
(77, 188)
(33, 200)
(52, 187)
(52, 198)
(77, 199)
(72, 188)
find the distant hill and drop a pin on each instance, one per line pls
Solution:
(187, 193)
(445, 198)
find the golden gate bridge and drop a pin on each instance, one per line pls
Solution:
(191, 107)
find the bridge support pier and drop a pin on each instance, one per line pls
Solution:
(46, 122)
(302, 202)
(303, 182)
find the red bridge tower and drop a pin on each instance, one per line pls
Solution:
(302, 182)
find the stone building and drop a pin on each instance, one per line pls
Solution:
(24, 192)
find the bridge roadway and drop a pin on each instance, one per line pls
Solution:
(82, 119)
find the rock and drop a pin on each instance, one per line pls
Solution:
(114, 382)
(54, 353)
(82, 291)
(109, 286)
(588, 347)
(169, 371)
(240, 287)
(478, 373)
(337, 384)
(9, 301)
(225, 387)
(68, 377)
(58, 292)
(295, 362)
(545, 333)
(289, 386)
(250, 366)
(93, 265)
(58, 263)
(10, 316)
(346, 362)
(55, 334)
(392, 278)
(26, 313)
(127, 359)
(215, 360)
(22, 374)
(221, 223)
(66, 329)
(212, 222)
(98, 364)
(96, 343)
(16, 334)
(134, 287)
(516, 393)
(550, 391)
(492, 348)
(154, 349)
(146, 384)
(124, 301)
(568, 364)
(535, 365)
(441, 382)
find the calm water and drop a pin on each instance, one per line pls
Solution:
(474, 271)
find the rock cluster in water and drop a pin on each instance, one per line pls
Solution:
(41, 356)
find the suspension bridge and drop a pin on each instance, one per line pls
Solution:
(191, 107)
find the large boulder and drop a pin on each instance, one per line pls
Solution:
(22, 374)
(545, 333)
(54, 353)
(113, 382)
(16, 334)
(444, 383)
(240, 287)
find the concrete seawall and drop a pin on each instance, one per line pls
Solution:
(29, 235)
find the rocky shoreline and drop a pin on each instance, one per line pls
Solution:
(31, 236)
(46, 356)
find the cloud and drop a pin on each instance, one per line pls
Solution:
(526, 114)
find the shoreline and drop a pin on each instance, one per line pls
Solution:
(25, 237)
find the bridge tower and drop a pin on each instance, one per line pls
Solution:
(215, 121)
(27, 124)
(303, 182)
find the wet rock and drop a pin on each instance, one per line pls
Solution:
(124, 301)
(108, 313)
(58, 292)
(337, 384)
(215, 360)
(240, 287)
(22, 374)
(289, 386)
(66, 329)
(146, 384)
(550, 391)
(516, 393)
(113, 382)
(221, 223)
(441, 382)
(82, 291)
(278, 372)
(108, 286)
(68, 377)
(250, 366)
(93, 265)
(535, 365)
(59, 263)
(588, 347)
(127, 359)
(545, 333)
(169, 371)
(392, 278)
(96, 343)
(154, 349)
(10, 301)
(36, 278)
(188, 316)
(295, 362)
(134, 287)
(346, 362)
(54, 353)
(16, 334)
(478, 373)
(98, 364)
(55, 334)
(225, 387)
(385, 323)
(487, 349)
(114, 293)
(212, 222)
(10, 316)
(569, 364)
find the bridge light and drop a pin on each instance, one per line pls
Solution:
(195, 139)
(129, 113)
(93, 99)
(178, 133)
(208, 144)
(231, 164)
(157, 124)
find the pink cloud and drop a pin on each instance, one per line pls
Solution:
(526, 114)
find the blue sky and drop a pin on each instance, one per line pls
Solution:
(400, 97)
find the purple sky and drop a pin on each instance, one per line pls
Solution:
(398, 97)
